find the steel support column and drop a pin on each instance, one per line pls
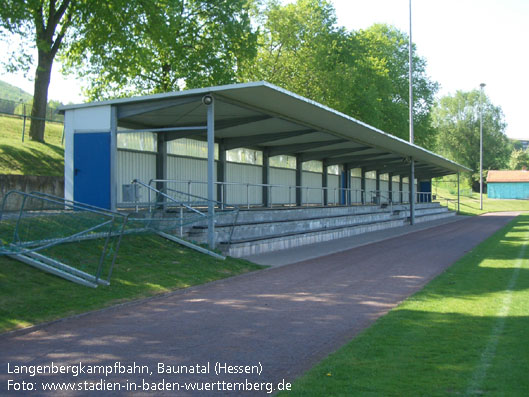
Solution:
(412, 192)
(211, 170)
(266, 178)
(377, 187)
(161, 165)
(458, 192)
(347, 185)
(390, 187)
(325, 183)
(401, 185)
(221, 174)
(299, 175)
(363, 185)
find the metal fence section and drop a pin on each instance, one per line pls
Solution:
(40, 231)
(170, 213)
(23, 110)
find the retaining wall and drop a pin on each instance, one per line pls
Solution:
(27, 183)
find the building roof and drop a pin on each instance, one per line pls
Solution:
(507, 176)
(266, 117)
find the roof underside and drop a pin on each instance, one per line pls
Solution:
(264, 117)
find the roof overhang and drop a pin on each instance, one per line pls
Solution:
(265, 117)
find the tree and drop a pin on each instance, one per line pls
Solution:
(458, 123)
(519, 159)
(388, 50)
(297, 47)
(142, 47)
(42, 24)
(363, 74)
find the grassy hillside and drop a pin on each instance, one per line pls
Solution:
(28, 157)
(12, 93)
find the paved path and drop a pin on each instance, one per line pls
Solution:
(282, 320)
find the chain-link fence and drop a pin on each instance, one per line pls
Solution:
(23, 110)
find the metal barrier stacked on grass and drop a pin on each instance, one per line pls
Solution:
(170, 212)
(42, 231)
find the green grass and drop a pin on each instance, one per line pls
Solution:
(146, 265)
(470, 203)
(455, 337)
(28, 157)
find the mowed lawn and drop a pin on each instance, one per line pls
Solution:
(146, 265)
(29, 157)
(466, 333)
(470, 202)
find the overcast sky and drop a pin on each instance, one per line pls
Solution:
(465, 42)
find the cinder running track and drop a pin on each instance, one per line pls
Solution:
(282, 320)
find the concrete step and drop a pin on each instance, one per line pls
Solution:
(259, 227)
(264, 229)
(303, 213)
(275, 243)
(434, 216)
(245, 248)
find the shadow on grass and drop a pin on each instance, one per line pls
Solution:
(30, 161)
(146, 265)
(412, 352)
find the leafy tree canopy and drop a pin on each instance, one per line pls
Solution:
(129, 47)
(457, 119)
(519, 159)
(363, 74)
(40, 25)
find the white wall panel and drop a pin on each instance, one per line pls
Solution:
(312, 180)
(134, 165)
(405, 193)
(244, 174)
(334, 183)
(189, 169)
(384, 186)
(283, 176)
(356, 192)
(371, 187)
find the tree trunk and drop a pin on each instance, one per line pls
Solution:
(40, 96)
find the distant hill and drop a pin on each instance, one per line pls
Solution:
(12, 93)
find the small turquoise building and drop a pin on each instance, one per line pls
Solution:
(508, 185)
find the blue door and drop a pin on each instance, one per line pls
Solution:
(425, 192)
(92, 169)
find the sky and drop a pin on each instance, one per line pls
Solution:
(465, 43)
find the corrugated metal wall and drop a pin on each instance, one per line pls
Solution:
(395, 191)
(512, 190)
(134, 165)
(142, 165)
(384, 192)
(405, 192)
(371, 186)
(356, 186)
(283, 176)
(333, 182)
(240, 194)
(189, 169)
(311, 196)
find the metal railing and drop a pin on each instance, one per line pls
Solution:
(250, 195)
(170, 209)
(278, 195)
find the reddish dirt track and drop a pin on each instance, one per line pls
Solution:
(282, 319)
